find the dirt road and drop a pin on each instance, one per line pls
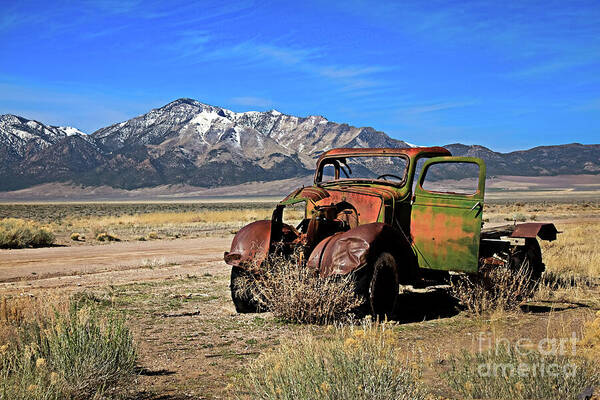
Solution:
(60, 266)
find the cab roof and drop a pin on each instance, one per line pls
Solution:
(385, 151)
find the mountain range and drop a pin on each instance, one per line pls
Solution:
(192, 143)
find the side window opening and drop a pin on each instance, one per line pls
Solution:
(452, 178)
(417, 174)
(328, 172)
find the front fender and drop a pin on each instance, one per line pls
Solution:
(250, 246)
(349, 251)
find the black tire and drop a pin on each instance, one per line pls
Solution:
(241, 293)
(377, 284)
(529, 257)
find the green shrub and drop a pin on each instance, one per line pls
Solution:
(17, 233)
(507, 373)
(360, 364)
(74, 356)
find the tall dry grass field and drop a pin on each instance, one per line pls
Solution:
(138, 221)
(576, 250)
(539, 210)
(173, 223)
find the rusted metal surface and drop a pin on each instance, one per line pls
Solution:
(348, 221)
(495, 261)
(545, 231)
(345, 252)
(367, 204)
(434, 151)
(250, 245)
(311, 193)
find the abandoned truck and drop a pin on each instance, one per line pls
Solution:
(371, 214)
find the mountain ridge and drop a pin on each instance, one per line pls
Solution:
(193, 143)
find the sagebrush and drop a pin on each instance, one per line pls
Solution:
(361, 363)
(75, 354)
(505, 372)
(296, 293)
(492, 289)
(18, 233)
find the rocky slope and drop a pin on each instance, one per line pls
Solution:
(188, 142)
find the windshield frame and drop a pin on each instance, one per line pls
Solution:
(318, 179)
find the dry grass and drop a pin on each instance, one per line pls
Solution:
(162, 218)
(172, 224)
(362, 363)
(590, 342)
(107, 237)
(575, 251)
(17, 233)
(538, 210)
(76, 237)
(494, 289)
(568, 288)
(297, 294)
(53, 348)
(16, 312)
(507, 372)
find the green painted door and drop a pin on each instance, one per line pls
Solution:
(446, 213)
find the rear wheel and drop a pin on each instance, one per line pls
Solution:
(241, 293)
(529, 259)
(378, 285)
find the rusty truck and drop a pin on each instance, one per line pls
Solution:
(388, 216)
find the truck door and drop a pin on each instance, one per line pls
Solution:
(447, 212)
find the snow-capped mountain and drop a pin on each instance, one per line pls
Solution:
(208, 132)
(22, 135)
(183, 142)
(188, 142)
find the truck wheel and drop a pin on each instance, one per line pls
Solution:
(378, 285)
(241, 294)
(529, 257)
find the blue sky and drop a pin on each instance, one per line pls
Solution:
(504, 74)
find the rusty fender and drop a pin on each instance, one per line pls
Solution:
(345, 252)
(250, 246)
(544, 231)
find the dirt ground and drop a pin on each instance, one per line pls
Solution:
(192, 343)
(64, 262)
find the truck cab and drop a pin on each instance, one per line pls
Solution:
(418, 209)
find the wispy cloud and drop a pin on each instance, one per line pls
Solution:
(101, 33)
(530, 35)
(113, 6)
(549, 67)
(439, 106)
(189, 43)
(350, 71)
(310, 61)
